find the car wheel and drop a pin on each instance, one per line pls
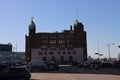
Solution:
(51, 67)
(27, 79)
(21, 78)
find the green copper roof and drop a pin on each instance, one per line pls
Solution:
(76, 22)
(31, 25)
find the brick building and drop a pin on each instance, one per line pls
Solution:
(6, 47)
(66, 46)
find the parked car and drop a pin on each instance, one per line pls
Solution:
(81, 65)
(15, 74)
(94, 65)
(86, 64)
(37, 65)
(74, 63)
(106, 65)
(116, 65)
(52, 66)
(3, 67)
(11, 64)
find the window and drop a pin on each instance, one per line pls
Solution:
(62, 58)
(51, 53)
(61, 41)
(62, 47)
(44, 48)
(45, 53)
(52, 41)
(74, 52)
(44, 36)
(53, 58)
(52, 47)
(40, 53)
(69, 52)
(44, 58)
(67, 41)
(70, 47)
(70, 58)
(60, 36)
(52, 36)
(59, 53)
(68, 35)
(64, 52)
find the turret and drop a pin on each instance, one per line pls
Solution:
(78, 33)
(78, 26)
(32, 27)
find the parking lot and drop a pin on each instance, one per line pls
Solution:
(75, 73)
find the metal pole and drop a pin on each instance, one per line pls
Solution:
(109, 51)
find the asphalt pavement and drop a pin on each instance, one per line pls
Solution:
(75, 73)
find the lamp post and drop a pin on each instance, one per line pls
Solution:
(108, 45)
(119, 53)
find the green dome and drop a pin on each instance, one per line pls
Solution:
(31, 25)
(76, 22)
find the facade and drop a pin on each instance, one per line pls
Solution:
(6, 47)
(6, 54)
(12, 56)
(67, 46)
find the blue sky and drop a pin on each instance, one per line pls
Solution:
(101, 19)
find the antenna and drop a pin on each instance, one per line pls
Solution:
(76, 13)
(98, 46)
(32, 18)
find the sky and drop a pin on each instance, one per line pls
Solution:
(101, 20)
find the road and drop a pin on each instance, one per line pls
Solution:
(74, 73)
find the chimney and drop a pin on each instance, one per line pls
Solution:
(71, 27)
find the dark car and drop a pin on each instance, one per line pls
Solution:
(52, 66)
(14, 74)
(3, 67)
(116, 65)
(106, 65)
(10, 63)
(94, 65)
(81, 65)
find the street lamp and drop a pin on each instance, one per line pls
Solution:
(108, 45)
(119, 53)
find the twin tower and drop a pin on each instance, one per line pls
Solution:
(66, 46)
